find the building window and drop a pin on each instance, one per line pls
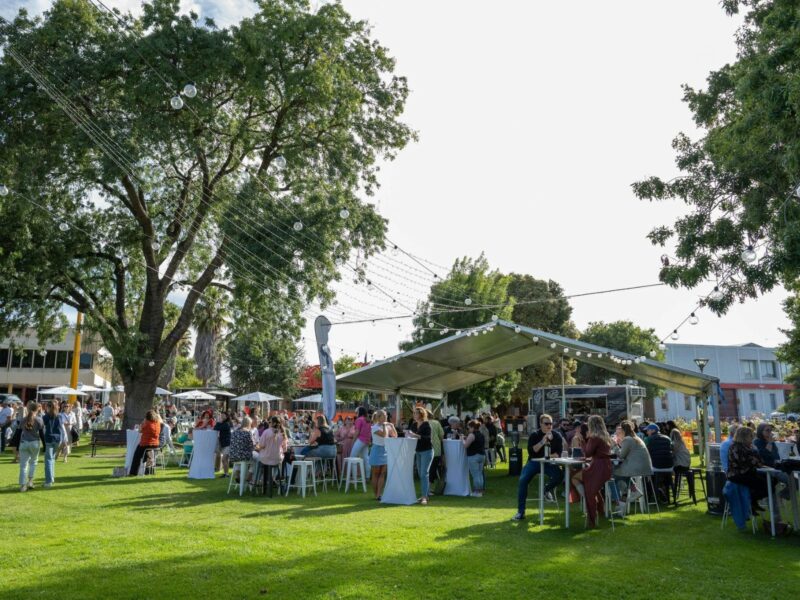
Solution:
(773, 401)
(26, 361)
(768, 369)
(4, 357)
(86, 360)
(50, 360)
(69, 359)
(61, 359)
(38, 360)
(750, 368)
(752, 397)
(664, 403)
(687, 403)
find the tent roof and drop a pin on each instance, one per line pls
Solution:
(497, 348)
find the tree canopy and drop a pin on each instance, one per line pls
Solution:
(158, 156)
(741, 177)
(541, 304)
(625, 337)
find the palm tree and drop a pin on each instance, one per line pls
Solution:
(210, 316)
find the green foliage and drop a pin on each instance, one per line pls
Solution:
(789, 352)
(264, 361)
(739, 178)
(467, 279)
(185, 373)
(625, 337)
(541, 304)
(342, 365)
(168, 201)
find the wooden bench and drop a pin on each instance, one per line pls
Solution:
(108, 437)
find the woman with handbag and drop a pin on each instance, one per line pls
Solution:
(16, 429)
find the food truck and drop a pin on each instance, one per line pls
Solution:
(613, 402)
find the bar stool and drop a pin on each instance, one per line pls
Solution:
(648, 499)
(610, 510)
(241, 467)
(354, 473)
(690, 481)
(304, 475)
(665, 473)
(328, 472)
(266, 475)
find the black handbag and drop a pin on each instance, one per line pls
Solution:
(74, 435)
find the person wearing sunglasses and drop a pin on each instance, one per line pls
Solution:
(768, 452)
(541, 443)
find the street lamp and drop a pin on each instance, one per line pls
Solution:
(701, 363)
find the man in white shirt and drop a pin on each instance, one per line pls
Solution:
(67, 419)
(108, 416)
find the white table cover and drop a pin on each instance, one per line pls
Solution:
(205, 446)
(457, 479)
(132, 437)
(399, 488)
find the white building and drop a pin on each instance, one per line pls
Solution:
(752, 379)
(26, 366)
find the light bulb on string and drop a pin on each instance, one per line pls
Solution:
(3, 190)
(535, 339)
(467, 301)
(298, 226)
(154, 245)
(674, 335)
(152, 363)
(234, 367)
(280, 162)
(430, 324)
(445, 331)
(189, 90)
(588, 355)
(577, 353)
(652, 353)
(344, 213)
(176, 102)
(716, 294)
(517, 329)
(495, 317)
(662, 346)
(552, 345)
(693, 320)
(749, 254)
(63, 226)
(42, 352)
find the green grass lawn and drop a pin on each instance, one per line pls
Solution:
(92, 536)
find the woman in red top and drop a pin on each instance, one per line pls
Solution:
(149, 430)
(206, 420)
(598, 449)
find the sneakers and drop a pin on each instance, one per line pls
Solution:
(549, 497)
(518, 517)
(47, 486)
(30, 485)
(477, 494)
(23, 488)
(423, 501)
(634, 495)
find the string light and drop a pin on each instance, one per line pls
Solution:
(749, 255)
(344, 213)
(280, 163)
(3, 190)
(189, 90)
(298, 226)
(63, 226)
(693, 320)
(674, 334)
(176, 102)
(468, 301)
(152, 363)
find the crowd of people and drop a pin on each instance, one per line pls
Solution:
(633, 452)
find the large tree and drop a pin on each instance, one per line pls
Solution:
(541, 304)
(624, 336)
(119, 198)
(740, 177)
(445, 309)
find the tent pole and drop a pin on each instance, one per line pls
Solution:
(717, 420)
(701, 429)
(398, 405)
(563, 392)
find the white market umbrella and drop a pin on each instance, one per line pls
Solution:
(194, 395)
(162, 392)
(314, 399)
(221, 393)
(90, 388)
(62, 390)
(256, 397)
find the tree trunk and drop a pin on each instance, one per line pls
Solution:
(168, 371)
(139, 398)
